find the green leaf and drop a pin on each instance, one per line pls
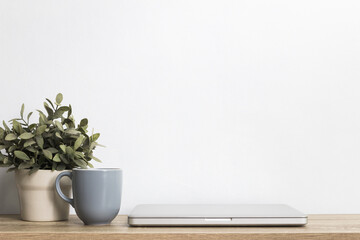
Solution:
(63, 148)
(42, 116)
(90, 165)
(56, 158)
(69, 123)
(94, 137)
(12, 148)
(31, 149)
(72, 131)
(33, 169)
(52, 150)
(99, 145)
(26, 135)
(48, 109)
(11, 169)
(54, 165)
(24, 165)
(28, 116)
(78, 142)
(2, 147)
(79, 155)
(80, 163)
(64, 108)
(57, 134)
(6, 160)
(32, 126)
(60, 167)
(83, 129)
(70, 111)
(47, 154)
(17, 127)
(2, 133)
(64, 159)
(22, 111)
(17, 119)
(59, 125)
(52, 105)
(29, 142)
(58, 113)
(59, 98)
(21, 155)
(10, 137)
(40, 141)
(95, 158)
(6, 127)
(40, 130)
(47, 135)
(84, 122)
(69, 151)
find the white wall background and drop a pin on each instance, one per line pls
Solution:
(199, 101)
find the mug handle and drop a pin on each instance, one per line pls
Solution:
(58, 189)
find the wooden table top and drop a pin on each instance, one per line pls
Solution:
(343, 227)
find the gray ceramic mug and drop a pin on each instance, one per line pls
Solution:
(96, 193)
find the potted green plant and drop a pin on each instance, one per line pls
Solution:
(38, 152)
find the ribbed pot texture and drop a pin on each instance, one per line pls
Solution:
(38, 198)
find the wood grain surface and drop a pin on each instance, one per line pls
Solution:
(343, 227)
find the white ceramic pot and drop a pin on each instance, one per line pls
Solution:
(38, 198)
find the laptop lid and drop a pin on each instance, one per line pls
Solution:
(216, 215)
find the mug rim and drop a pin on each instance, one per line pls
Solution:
(97, 169)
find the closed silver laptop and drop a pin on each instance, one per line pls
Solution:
(216, 215)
